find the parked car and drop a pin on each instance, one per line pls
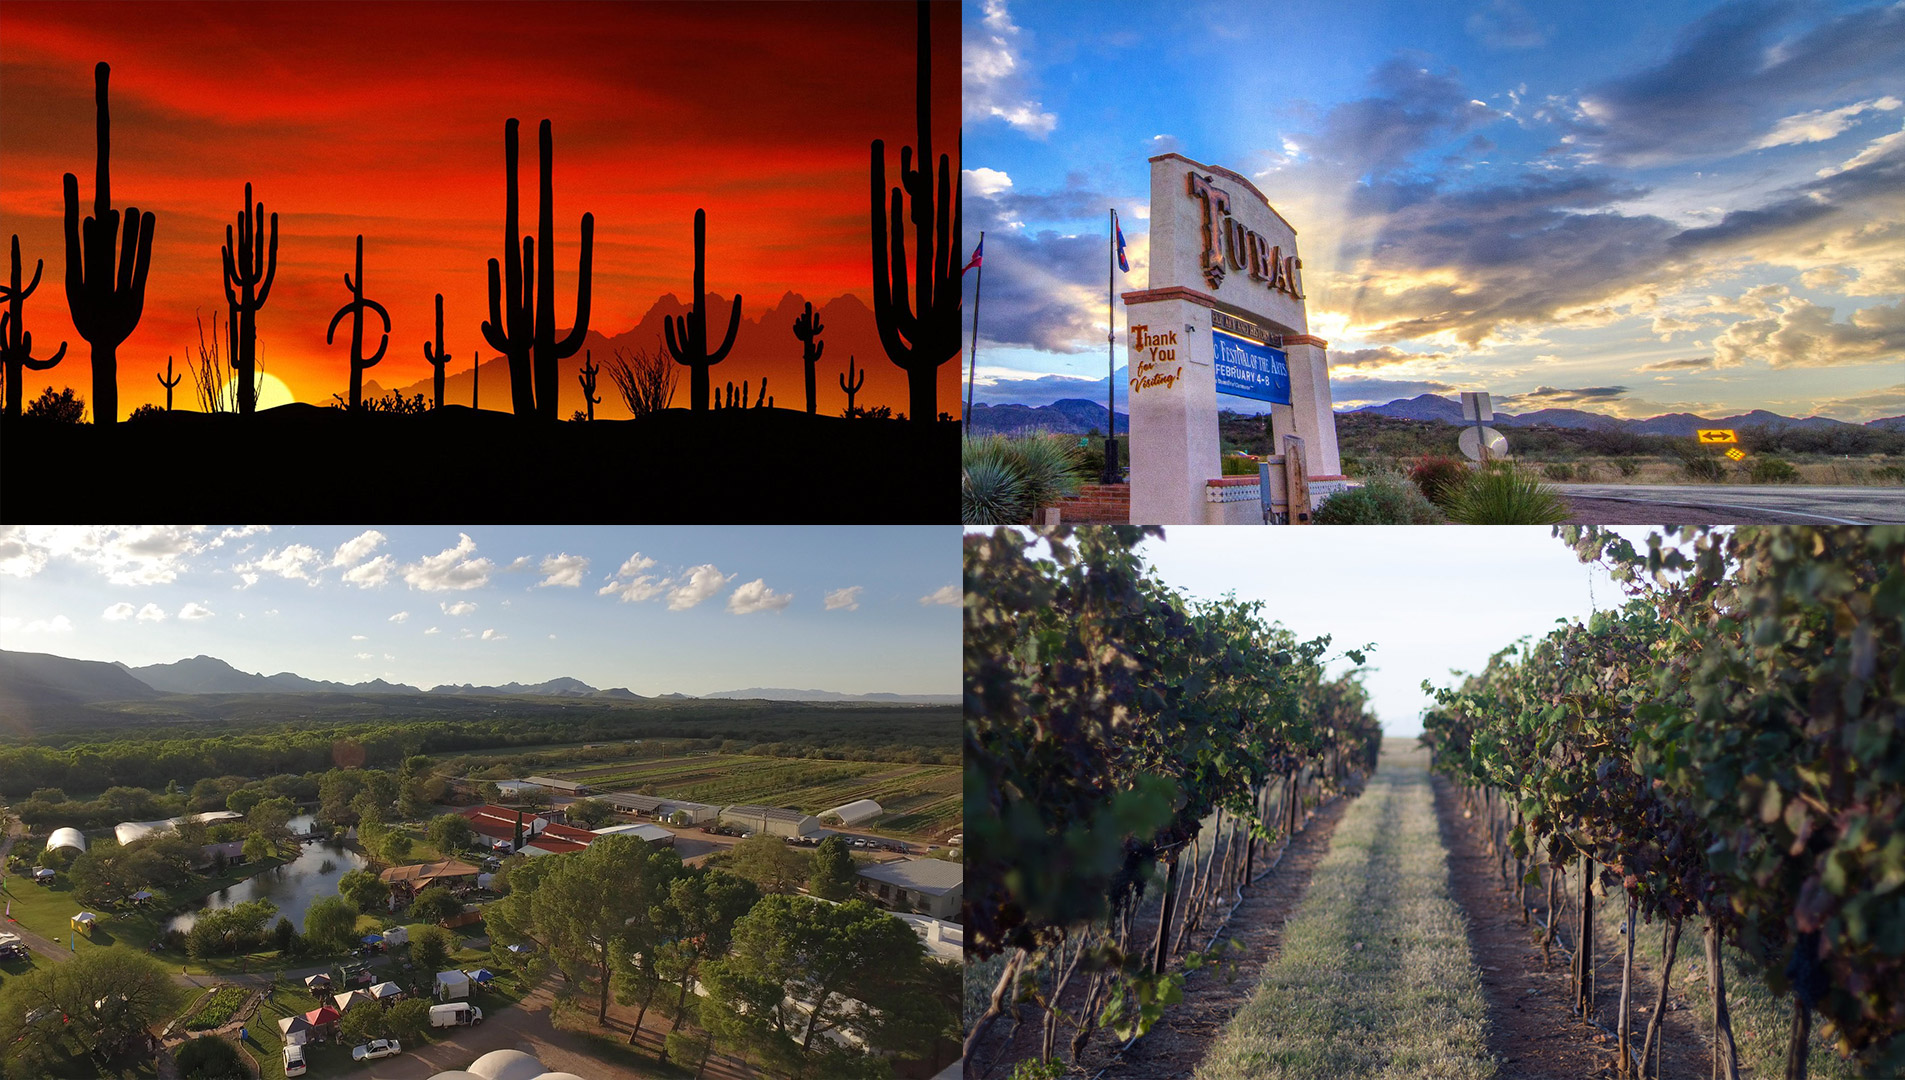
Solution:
(294, 1063)
(376, 1048)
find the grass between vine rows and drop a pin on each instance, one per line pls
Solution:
(1374, 978)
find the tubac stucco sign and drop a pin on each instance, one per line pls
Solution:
(1224, 314)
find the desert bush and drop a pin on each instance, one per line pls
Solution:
(1627, 467)
(1384, 499)
(1007, 479)
(645, 379)
(61, 408)
(1772, 470)
(1507, 495)
(1235, 465)
(209, 1057)
(144, 412)
(1558, 470)
(1889, 474)
(1438, 476)
(1702, 467)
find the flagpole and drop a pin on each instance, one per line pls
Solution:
(972, 371)
(1111, 353)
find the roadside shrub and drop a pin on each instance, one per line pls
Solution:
(1889, 474)
(1382, 500)
(1438, 476)
(1627, 467)
(1772, 470)
(209, 1057)
(1007, 479)
(1702, 467)
(1506, 495)
(1558, 470)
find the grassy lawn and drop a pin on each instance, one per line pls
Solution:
(1374, 978)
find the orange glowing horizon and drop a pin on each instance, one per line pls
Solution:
(387, 121)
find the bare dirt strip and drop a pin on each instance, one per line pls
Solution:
(1533, 1034)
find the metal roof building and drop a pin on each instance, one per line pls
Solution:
(654, 834)
(68, 838)
(855, 812)
(660, 809)
(771, 820)
(567, 787)
(933, 886)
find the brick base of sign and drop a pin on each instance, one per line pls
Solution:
(1097, 504)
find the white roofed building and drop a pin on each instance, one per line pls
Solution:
(769, 820)
(853, 813)
(654, 834)
(68, 837)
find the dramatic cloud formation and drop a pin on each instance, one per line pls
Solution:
(847, 599)
(1804, 334)
(756, 596)
(123, 554)
(994, 87)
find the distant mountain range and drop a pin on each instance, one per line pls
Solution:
(1074, 416)
(42, 679)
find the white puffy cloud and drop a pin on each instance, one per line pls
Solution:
(125, 554)
(58, 624)
(491, 635)
(461, 607)
(155, 613)
(993, 84)
(119, 612)
(450, 569)
(1821, 124)
(564, 570)
(293, 562)
(372, 574)
(756, 596)
(1804, 334)
(401, 616)
(695, 586)
(847, 598)
(949, 594)
(631, 584)
(357, 548)
(432, 630)
(195, 611)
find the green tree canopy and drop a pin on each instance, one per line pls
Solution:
(431, 948)
(109, 996)
(364, 889)
(450, 833)
(435, 904)
(834, 870)
(767, 861)
(331, 924)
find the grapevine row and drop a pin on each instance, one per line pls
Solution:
(1107, 718)
(1728, 744)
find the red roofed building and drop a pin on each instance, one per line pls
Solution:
(540, 836)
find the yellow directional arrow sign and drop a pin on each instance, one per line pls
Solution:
(1717, 435)
(1736, 454)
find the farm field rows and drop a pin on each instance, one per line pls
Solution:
(920, 800)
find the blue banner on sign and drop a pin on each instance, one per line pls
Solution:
(1250, 369)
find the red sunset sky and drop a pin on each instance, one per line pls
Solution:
(387, 119)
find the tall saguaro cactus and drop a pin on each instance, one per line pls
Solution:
(248, 274)
(16, 342)
(438, 358)
(807, 328)
(522, 321)
(688, 334)
(852, 385)
(169, 380)
(921, 331)
(106, 305)
(356, 309)
(587, 379)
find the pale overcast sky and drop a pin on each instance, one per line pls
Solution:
(656, 610)
(1431, 599)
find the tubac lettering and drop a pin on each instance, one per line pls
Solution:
(1228, 245)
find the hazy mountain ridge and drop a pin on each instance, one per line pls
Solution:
(42, 678)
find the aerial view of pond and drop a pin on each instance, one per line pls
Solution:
(293, 887)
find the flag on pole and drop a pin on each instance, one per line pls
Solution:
(977, 256)
(1116, 228)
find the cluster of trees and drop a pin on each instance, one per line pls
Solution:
(234, 930)
(829, 872)
(407, 1021)
(1108, 717)
(630, 917)
(1727, 745)
(99, 1002)
(236, 735)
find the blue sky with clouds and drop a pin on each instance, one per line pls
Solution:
(1631, 207)
(657, 610)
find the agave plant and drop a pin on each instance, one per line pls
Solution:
(1506, 495)
(1007, 480)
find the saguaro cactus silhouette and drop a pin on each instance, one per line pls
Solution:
(438, 358)
(356, 309)
(106, 306)
(587, 379)
(807, 328)
(522, 322)
(16, 342)
(688, 334)
(168, 380)
(919, 332)
(249, 271)
(852, 385)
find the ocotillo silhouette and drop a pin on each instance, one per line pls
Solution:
(522, 321)
(688, 334)
(168, 380)
(106, 306)
(919, 332)
(807, 328)
(247, 268)
(587, 379)
(438, 358)
(851, 385)
(356, 309)
(16, 343)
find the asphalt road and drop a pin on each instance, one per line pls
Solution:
(1727, 503)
